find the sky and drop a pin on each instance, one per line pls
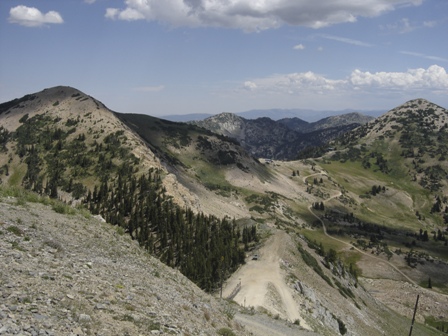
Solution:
(165, 57)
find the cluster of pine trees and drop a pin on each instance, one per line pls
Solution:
(376, 189)
(318, 206)
(204, 248)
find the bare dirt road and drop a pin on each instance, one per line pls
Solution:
(263, 281)
(263, 325)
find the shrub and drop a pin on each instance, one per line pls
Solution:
(229, 312)
(226, 332)
(14, 229)
(54, 245)
(62, 208)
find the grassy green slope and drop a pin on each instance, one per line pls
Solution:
(404, 151)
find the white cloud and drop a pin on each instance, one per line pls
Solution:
(90, 1)
(432, 58)
(149, 88)
(112, 13)
(32, 17)
(250, 85)
(299, 47)
(403, 26)
(429, 24)
(294, 83)
(346, 40)
(254, 15)
(433, 80)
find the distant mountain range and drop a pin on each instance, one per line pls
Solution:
(276, 114)
(282, 139)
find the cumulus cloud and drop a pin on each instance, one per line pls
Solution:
(32, 17)
(433, 79)
(294, 83)
(253, 15)
(299, 47)
(250, 85)
(129, 14)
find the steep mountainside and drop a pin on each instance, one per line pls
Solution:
(64, 144)
(283, 139)
(66, 273)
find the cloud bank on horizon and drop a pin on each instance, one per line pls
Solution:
(435, 77)
(285, 53)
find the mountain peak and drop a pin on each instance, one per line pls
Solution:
(419, 103)
(60, 92)
(418, 114)
(57, 100)
(224, 116)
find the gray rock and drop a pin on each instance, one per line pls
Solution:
(39, 317)
(12, 308)
(100, 306)
(4, 330)
(84, 318)
(305, 291)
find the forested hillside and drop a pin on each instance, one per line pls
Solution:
(75, 158)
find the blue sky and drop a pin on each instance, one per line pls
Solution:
(162, 57)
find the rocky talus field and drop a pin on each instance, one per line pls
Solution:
(64, 272)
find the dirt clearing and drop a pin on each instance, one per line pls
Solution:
(262, 281)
